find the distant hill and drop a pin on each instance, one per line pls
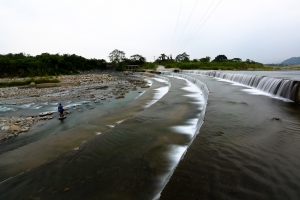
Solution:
(292, 61)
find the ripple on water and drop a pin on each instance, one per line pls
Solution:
(241, 152)
(5, 109)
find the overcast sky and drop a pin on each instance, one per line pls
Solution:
(266, 31)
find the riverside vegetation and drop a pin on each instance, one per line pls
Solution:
(47, 65)
(221, 62)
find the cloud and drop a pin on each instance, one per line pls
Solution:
(264, 31)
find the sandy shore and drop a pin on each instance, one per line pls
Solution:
(82, 86)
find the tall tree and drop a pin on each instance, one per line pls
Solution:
(163, 57)
(220, 58)
(116, 56)
(184, 57)
(137, 59)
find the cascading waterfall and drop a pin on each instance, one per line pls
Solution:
(288, 89)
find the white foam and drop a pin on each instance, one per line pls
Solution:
(252, 90)
(71, 105)
(160, 92)
(4, 109)
(255, 91)
(157, 95)
(176, 77)
(119, 122)
(111, 126)
(175, 153)
(36, 107)
(192, 88)
(189, 128)
(161, 80)
(140, 95)
(98, 133)
(26, 105)
(149, 82)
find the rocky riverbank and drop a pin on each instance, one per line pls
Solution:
(82, 86)
(13, 126)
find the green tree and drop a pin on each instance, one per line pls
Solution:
(220, 58)
(162, 57)
(236, 60)
(137, 59)
(116, 56)
(184, 57)
(206, 59)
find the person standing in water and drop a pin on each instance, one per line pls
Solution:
(61, 110)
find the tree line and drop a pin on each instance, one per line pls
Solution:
(184, 57)
(183, 61)
(22, 65)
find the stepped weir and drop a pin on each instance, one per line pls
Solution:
(289, 89)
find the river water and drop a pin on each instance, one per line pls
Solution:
(150, 148)
(128, 153)
(242, 151)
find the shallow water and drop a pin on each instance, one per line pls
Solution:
(241, 151)
(78, 115)
(132, 160)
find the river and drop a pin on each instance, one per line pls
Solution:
(150, 148)
(247, 148)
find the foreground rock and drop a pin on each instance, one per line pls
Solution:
(13, 126)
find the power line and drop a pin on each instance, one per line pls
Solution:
(201, 25)
(176, 26)
(186, 24)
(199, 22)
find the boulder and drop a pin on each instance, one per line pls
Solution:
(119, 97)
(32, 84)
(14, 128)
(145, 86)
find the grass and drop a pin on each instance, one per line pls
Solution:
(28, 81)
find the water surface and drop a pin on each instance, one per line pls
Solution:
(247, 148)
